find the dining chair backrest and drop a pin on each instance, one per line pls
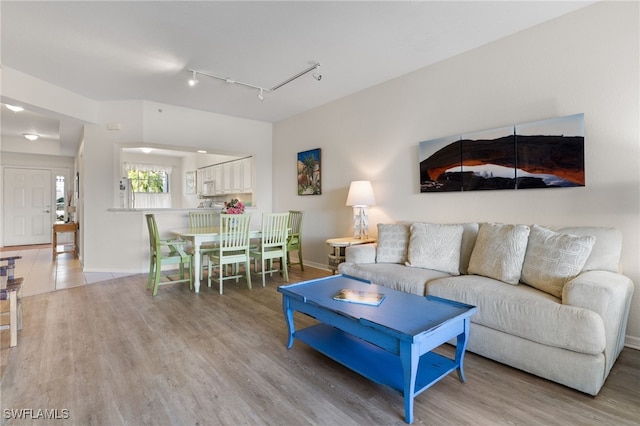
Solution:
(274, 229)
(204, 219)
(154, 240)
(234, 231)
(294, 242)
(295, 223)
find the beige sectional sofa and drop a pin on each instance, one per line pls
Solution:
(552, 302)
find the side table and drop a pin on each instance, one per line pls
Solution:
(338, 245)
(65, 227)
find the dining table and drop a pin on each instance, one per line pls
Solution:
(199, 236)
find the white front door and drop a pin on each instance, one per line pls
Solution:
(27, 206)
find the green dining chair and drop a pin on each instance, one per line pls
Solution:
(233, 250)
(166, 252)
(273, 245)
(294, 240)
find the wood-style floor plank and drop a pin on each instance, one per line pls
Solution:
(111, 354)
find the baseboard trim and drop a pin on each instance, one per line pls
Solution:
(632, 342)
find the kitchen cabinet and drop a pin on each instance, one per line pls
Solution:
(232, 177)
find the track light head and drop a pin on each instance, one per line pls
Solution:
(261, 95)
(194, 79)
(317, 74)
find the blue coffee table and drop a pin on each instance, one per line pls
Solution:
(389, 344)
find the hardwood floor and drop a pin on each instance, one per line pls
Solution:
(111, 354)
(43, 274)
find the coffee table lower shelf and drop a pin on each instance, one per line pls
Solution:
(372, 362)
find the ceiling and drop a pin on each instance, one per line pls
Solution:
(108, 50)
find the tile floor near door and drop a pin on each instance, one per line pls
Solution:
(42, 273)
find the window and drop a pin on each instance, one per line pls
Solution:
(60, 200)
(149, 181)
(150, 185)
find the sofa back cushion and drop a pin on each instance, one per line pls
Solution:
(499, 252)
(606, 252)
(553, 258)
(469, 235)
(435, 246)
(393, 240)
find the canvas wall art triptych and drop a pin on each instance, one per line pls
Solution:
(540, 154)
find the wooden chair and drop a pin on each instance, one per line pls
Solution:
(205, 219)
(10, 299)
(294, 241)
(166, 252)
(233, 250)
(273, 244)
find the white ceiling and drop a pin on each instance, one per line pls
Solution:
(140, 50)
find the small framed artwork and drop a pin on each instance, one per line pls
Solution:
(190, 183)
(308, 167)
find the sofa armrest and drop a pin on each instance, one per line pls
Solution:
(609, 295)
(363, 253)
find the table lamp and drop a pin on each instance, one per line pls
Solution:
(361, 197)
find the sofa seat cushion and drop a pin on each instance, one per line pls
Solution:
(393, 275)
(525, 312)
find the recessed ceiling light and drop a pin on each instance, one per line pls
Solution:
(30, 136)
(146, 150)
(202, 151)
(15, 108)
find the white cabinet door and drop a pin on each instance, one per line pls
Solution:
(218, 179)
(247, 175)
(236, 171)
(227, 178)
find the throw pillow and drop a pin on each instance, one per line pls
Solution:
(606, 252)
(434, 246)
(499, 252)
(554, 258)
(393, 240)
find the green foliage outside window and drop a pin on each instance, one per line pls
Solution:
(143, 181)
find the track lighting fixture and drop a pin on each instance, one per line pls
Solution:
(262, 90)
(193, 80)
(32, 137)
(317, 74)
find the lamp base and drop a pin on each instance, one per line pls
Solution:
(360, 222)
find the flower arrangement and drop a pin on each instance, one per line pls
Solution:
(234, 206)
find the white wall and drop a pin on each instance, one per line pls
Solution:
(585, 62)
(42, 97)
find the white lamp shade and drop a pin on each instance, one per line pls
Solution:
(361, 194)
